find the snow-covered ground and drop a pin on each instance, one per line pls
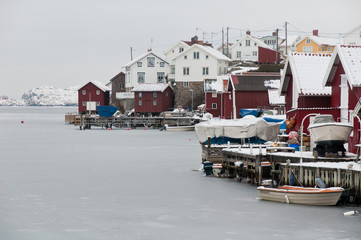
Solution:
(57, 182)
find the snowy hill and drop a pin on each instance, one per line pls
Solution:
(44, 96)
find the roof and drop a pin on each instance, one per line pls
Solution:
(143, 56)
(218, 55)
(274, 98)
(259, 42)
(218, 85)
(290, 40)
(150, 87)
(352, 30)
(350, 57)
(323, 40)
(251, 83)
(98, 85)
(308, 70)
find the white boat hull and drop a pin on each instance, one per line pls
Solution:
(180, 128)
(300, 195)
(331, 132)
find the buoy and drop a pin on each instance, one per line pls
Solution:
(145, 128)
(128, 128)
(189, 139)
(350, 213)
(109, 129)
(22, 121)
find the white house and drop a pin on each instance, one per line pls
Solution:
(291, 44)
(175, 50)
(247, 48)
(147, 68)
(353, 37)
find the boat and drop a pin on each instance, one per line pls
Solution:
(179, 128)
(301, 195)
(324, 130)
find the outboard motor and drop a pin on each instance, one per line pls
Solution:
(207, 167)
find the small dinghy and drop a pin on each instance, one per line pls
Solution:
(301, 195)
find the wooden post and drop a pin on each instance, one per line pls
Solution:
(338, 177)
(286, 175)
(301, 175)
(326, 178)
(306, 178)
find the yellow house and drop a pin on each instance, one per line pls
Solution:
(316, 44)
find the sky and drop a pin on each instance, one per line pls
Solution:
(66, 43)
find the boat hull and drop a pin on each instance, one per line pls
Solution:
(328, 133)
(180, 128)
(300, 195)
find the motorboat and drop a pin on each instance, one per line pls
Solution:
(301, 195)
(324, 130)
(179, 128)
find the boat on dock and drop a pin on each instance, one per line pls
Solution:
(324, 129)
(301, 195)
(179, 128)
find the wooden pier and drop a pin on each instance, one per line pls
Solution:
(89, 121)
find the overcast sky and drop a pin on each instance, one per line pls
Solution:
(66, 43)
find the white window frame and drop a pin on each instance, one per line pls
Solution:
(139, 64)
(98, 103)
(139, 77)
(154, 102)
(140, 94)
(307, 49)
(195, 55)
(239, 54)
(161, 64)
(186, 71)
(185, 84)
(166, 94)
(83, 92)
(84, 103)
(98, 92)
(160, 77)
(154, 94)
(151, 61)
(205, 71)
(248, 43)
(214, 94)
(214, 105)
(140, 103)
(254, 53)
(308, 41)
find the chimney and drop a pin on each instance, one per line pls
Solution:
(149, 49)
(274, 34)
(315, 32)
(194, 39)
(248, 32)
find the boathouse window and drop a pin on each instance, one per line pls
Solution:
(150, 61)
(214, 105)
(140, 103)
(214, 94)
(139, 64)
(154, 102)
(84, 92)
(140, 94)
(141, 77)
(154, 94)
(98, 103)
(84, 103)
(166, 94)
(160, 77)
(161, 64)
(98, 92)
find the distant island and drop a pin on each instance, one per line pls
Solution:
(44, 96)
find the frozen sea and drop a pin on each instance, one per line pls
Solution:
(57, 182)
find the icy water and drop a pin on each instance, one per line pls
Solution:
(57, 182)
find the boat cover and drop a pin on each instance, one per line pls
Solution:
(246, 127)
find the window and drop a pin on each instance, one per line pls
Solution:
(139, 94)
(205, 71)
(141, 77)
(98, 92)
(239, 54)
(172, 70)
(84, 103)
(308, 41)
(139, 64)
(98, 103)
(224, 70)
(255, 44)
(254, 53)
(185, 56)
(186, 71)
(248, 42)
(323, 49)
(150, 61)
(329, 49)
(240, 44)
(140, 103)
(154, 94)
(206, 56)
(181, 49)
(196, 55)
(214, 94)
(161, 64)
(214, 105)
(185, 84)
(154, 102)
(166, 94)
(307, 49)
(160, 77)
(84, 92)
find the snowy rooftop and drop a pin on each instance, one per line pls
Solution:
(218, 85)
(99, 85)
(150, 87)
(143, 56)
(217, 54)
(274, 98)
(324, 40)
(351, 61)
(308, 70)
(333, 165)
